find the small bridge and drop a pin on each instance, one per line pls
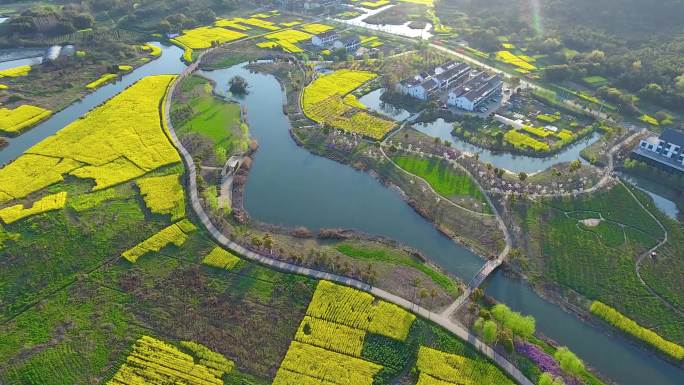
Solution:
(474, 283)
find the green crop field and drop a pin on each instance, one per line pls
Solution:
(445, 180)
(598, 262)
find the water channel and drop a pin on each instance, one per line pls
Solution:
(289, 186)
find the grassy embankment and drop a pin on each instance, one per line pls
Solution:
(447, 181)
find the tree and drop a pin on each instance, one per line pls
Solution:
(478, 325)
(423, 293)
(679, 83)
(569, 362)
(522, 176)
(519, 324)
(489, 332)
(575, 165)
(238, 85)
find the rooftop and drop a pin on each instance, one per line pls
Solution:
(673, 136)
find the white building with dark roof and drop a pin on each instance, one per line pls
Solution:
(324, 39)
(475, 91)
(471, 86)
(666, 151)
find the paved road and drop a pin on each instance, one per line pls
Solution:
(457, 329)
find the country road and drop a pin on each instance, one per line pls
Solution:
(444, 321)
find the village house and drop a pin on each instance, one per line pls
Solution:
(324, 39)
(474, 92)
(666, 151)
(467, 88)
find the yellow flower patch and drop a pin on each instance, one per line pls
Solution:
(221, 259)
(303, 360)
(109, 174)
(203, 37)
(48, 203)
(439, 368)
(101, 81)
(331, 336)
(14, 121)
(360, 310)
(176, 234)
(30, 173)
(163, 195)
(521, 140)
(154, 362)
(15, 72)
(316, 28)
(509, 58)
(114, 143)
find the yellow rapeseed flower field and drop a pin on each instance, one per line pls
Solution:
(324, 102)
(316, 28)
(221, 259)
(176, 233)
(203, 37)
(439, 368)
(163, 195)
(30, 173)
(154, 362)
(331, 336)
(508, 57)
(16, 71)
(303, 360)
(48, 203)
(114, 143)
(14, 121)
(360, 310)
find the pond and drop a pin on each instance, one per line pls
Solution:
(662, 196)
(289, 186)
(373, 102)
(507, 161)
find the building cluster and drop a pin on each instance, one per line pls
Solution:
(666, 151)
(464, 87)
(333, 41)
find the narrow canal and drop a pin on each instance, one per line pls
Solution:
(289, 186)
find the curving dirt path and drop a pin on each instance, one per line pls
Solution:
(444, 321)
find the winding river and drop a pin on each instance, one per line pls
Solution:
(289, 186)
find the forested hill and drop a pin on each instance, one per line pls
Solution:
(637, 44)
(630, 19)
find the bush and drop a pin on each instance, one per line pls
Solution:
(569, 362)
